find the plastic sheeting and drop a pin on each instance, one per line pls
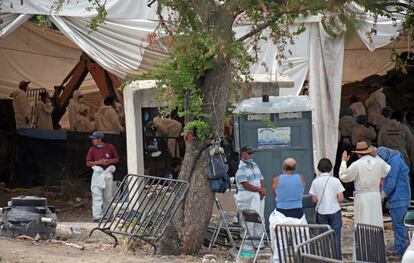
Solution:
(325, 74)
(275, 105)
(118, 45)
(10, 22)
(116, 9)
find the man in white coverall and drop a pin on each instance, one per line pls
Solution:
(21, 106)
(250, 189)
(375, 103)
(75, 104)
(107, 119)
(101, 158)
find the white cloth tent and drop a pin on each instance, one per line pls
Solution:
(120, 45)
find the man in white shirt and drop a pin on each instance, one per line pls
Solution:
(326, 190)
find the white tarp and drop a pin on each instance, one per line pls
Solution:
(116, 9)
(325, 73)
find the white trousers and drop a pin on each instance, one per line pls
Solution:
(101, 188)
(276, 218)
(251, 200)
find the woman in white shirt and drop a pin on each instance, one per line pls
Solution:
(326, 191)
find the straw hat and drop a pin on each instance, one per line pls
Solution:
(363, 148)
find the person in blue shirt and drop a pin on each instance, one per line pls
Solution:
(288, 189)
(396, 186)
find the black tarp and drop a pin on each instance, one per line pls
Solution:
(45, 157)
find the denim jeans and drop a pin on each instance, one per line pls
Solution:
(335, 221)
(400, 232)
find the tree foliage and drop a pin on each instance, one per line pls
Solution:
(196, 41)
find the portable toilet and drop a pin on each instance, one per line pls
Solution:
(277, 127)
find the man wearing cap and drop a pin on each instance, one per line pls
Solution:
(250, 186)
(21, 105)
(101, 158)
(366, 173)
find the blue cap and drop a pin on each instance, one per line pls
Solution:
(96, 134)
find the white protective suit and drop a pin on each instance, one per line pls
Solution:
(251, 200)
(361, 133)
(83, 124)
(346, 124)
(22, 109)
(169, 128)
(107, 120)
(44, 115)
(396, 136)
(358, 109)
(101, 188)
(73, 108)
(276, 218)
(375, 103)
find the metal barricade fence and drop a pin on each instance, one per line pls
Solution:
(142, 207)
(288, 236)
(369, 243)
(33, 96)
(321, 248)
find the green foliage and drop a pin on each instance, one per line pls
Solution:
(41, 21)
(269, 123)
(100, 16)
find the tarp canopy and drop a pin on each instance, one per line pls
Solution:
(121, 43)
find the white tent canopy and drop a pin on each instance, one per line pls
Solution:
(120, 45)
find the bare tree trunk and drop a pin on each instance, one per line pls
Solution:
(193, 217)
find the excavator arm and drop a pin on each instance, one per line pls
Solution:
(107, 83)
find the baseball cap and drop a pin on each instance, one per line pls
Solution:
(246, 148)
(96, 134)
(23, 82)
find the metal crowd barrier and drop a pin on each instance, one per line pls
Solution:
(142, 207)
(369, 243)
(288, 236)
(33, 95)
(319, 249)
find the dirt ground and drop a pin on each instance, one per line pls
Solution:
(73, 207)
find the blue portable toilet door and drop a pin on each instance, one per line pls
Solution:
(295, 142)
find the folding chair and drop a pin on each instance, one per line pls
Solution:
(252, 216)
(222, 224)
(409, 223)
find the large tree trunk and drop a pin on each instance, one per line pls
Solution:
(193, 217)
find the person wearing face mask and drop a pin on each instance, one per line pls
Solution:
(101, 158)
(250, 189)
(44, 112)
(75, 104)
(21, 106)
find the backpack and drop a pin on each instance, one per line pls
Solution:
(217, 170)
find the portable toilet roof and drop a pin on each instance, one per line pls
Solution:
(279, 104)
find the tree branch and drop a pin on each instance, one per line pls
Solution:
(258, 29)
(409, 6)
